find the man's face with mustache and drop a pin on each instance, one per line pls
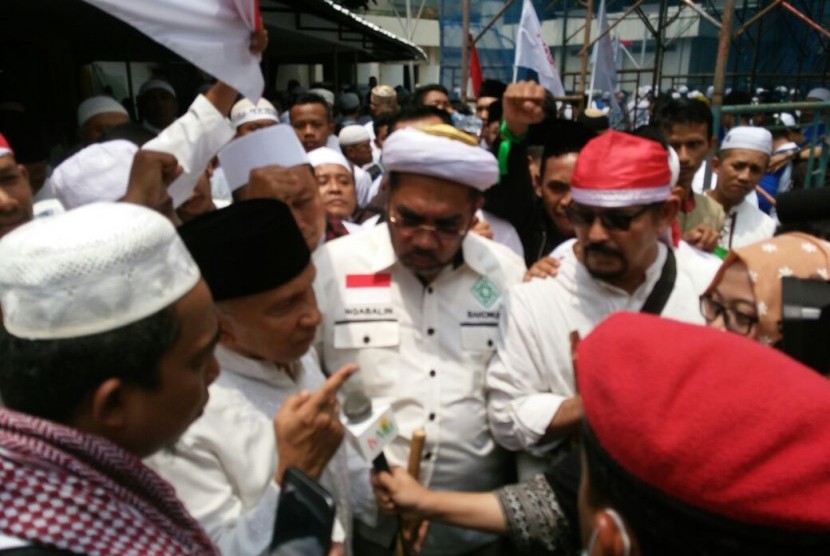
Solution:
(617, 245)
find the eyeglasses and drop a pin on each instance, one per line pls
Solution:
(611, 220)
(444, 232)
(735, 321)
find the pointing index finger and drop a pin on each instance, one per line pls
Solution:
(329, 389)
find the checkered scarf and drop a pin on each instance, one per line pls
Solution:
(67, 490)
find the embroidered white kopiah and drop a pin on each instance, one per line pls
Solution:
(93, 269)
(213, 35)
(245, 111)
(99, 172)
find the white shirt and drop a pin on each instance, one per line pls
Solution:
(423, 351)
(223, 467)
(370, 127)
(503, 231)
(532, 372)
(362, 185)
(746, 224)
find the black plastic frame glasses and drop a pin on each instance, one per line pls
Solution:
(735, 321)
(611, 220)
(445, 232)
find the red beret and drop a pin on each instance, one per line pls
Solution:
(618, 169)
(710, 419)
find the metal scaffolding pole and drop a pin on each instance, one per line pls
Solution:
(465, 48)
(583, 71)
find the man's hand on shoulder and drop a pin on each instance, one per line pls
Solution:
(546, 267)
(702, 237)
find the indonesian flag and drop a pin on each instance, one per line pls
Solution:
(475, 67)
(368, 289)
(532, 51)
(213, 35)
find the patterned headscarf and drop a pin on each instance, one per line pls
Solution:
(794, 254)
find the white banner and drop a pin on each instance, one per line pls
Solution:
(604, 71)
(213, 35)
(532, 52)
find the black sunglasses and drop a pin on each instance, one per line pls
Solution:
(611, 219)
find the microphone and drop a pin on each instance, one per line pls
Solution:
(372, 429)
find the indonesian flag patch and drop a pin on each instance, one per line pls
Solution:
(368, 289)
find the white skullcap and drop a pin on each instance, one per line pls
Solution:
(819, 93)
(245, 111)
(440, 151)
(100, 172)
(353, 134)
(325, 93)
(276, 145)
(683, 89)
(786, 119)
(156, 84)
(325, 155)
(91, 270)
(748, 137)
(98, 105)
(674, 166)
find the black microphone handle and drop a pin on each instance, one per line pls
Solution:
(380, 463)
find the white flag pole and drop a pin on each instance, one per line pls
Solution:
(594, 55)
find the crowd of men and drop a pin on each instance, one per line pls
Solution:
(187, 300)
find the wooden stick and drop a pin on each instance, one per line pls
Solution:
(416, 450)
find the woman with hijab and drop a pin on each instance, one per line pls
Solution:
(745, 297)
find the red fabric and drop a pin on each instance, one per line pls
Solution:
(72, 491)
(383, 280)
(676, 236)
(711, 419)
(257, 16)
(5, 148)
(335, 227)
(475, 67)
(617, 161)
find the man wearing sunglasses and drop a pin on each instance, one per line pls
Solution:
(621, 207)
(415, 304)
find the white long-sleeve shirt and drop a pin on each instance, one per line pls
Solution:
(532, 373)
(223, 467)
(746, 224)
(422, 350)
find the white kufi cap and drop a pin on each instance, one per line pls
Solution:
(819, 93)
(786, 119)
(748, 137)
(352, 135)
(327, 95)
(91, 270)
(156, 84)
(98, 105)
(325, 155)
(276, 145)
(245, 111)
(100, 172)
(440, 151)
